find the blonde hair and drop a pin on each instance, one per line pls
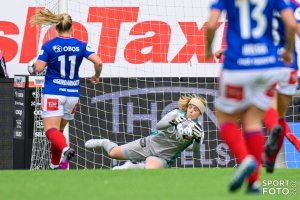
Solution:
(184, 101)
(63, 22)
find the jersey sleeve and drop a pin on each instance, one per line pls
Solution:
(217, 4)
(282, 4)
(88, 51)
(43, 54)
(297, 14)
(164, 123)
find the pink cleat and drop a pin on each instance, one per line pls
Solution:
(68, 155)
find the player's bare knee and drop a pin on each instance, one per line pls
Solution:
(115, 153)
(153, 164)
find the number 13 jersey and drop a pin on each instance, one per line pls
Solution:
(249, 33)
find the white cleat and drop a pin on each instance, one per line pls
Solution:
(126, 165)
(95, 143)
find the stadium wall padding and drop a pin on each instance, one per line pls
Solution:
(6, 122)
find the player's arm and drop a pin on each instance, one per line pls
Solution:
(165, 121)
(36, 66)
(39, 66)
(219, 53)
(198, 135)
(289, 21)
(210, 31)
(98, 67)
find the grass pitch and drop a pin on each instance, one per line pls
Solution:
(173, 184)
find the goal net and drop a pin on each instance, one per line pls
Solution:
(153, 52)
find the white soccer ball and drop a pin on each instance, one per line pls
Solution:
(185, 128)
(31, 67)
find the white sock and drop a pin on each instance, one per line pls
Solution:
(137, 166)
(53, 166)
(65, 149)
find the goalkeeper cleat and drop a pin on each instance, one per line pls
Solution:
(94, 143)
(272, 141)
(68, 155)
(126, 165)
(246, 168)
(254, 188)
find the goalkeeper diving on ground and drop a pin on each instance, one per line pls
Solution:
(176, 131)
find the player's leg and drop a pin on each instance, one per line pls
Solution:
(231, 134)
(130, 165)
(286, 89)
(111, 148)
(271, 153)
(153, 162)
(255, 140)
(63, 124)
(233, 97)
(271, 121)
(262, 92)
(55, 151)
(51, 125)
(52, 115)
(137, 150)
(70, 105)
(228, 104)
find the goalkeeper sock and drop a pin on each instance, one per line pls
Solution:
(56, 138)
(271, 118)
(284, 125)
(232, 136)
(255, 143)
(108, 145)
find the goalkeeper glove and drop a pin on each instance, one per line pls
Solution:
(197, 132)
(177, 121)
(31, 67)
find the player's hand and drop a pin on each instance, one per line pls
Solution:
(177, 121)
(94, 79)
(219, 53)
(197, 132)
(287, 57)
(31, 67)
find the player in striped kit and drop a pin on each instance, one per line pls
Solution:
(249, 76)
(63, 56)
(175, 132)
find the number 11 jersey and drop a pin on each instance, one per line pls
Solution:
(63, 56)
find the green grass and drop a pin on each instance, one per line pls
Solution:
(173, 184)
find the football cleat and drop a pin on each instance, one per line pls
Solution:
(68, 155)
(254, 188)
(245, 169)
(272, 140)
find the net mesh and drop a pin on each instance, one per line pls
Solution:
(153, 52)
